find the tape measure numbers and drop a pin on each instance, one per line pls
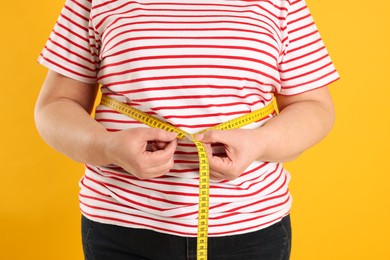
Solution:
(204, 178)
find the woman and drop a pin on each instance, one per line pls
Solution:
(194, 64)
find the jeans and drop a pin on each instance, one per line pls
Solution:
(110, 242)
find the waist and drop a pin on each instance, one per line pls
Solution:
(181, 185)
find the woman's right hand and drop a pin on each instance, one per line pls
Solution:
(143, 152)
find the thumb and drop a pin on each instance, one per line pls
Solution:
(156, 134)
(213, 136)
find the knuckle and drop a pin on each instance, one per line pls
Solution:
(155, 132)
(143, 177)
(138, 166)
(170, 164)
(213, 134)
(232, 175)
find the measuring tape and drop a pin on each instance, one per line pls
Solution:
(204, 178)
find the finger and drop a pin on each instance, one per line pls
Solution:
(159, 157)
(157, 139)
(216, 162)
(167, 164)
(155, 164)
(221, 175)
(216, 176)
(155, 134)
(220, 167)
(170, 147)
(160, 145)
(215, 136)
(153, 146)
(156, 171)
(221, 164)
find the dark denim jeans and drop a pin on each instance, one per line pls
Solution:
(109, 242)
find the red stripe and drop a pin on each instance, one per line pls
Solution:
(186, 162)
(92, 189)
(129, 215)
(186, 29)
(108, 30)
(273, 206)
(205, 87)
(280, 18)
(188, 46)
(171, 57)
(204, 66)
(66, 69)
(124, 181)
(317, 69)
(301, 28)
(158, 108)
(184, 37)
(72, 32)
(123, 221)
(107, 120)
(258, 168)
(207, 115)
(301, 47)
(315, 33)
(85, 8)
(306, 54)
(195, 97)
(162, 183)
(237, 209)
(67, 50)
(184, 77)
(196, 126)
(107, 2)
(75, 44)
(248, 219)
(306, 64)
(132, 193)
(184, 56)
(257, 191)
(71, 21)
(256, 227)
(58, 55)
(300, 18)
(313, 80)
(74, 13)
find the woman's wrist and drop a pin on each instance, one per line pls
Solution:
(99, 147)
(269, 145)
(262, 142)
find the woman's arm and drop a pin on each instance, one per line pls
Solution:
(62, 116)
(304, 120)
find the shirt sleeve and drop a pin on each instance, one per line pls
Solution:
(72, 48)
(305, 63)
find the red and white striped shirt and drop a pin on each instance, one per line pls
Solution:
(194, 64)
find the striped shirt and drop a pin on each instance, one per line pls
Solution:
(194, 64)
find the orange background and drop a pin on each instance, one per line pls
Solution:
(341, 192)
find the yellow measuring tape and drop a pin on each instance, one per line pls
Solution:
(204, 178)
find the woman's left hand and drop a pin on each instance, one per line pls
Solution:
(241, 149)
